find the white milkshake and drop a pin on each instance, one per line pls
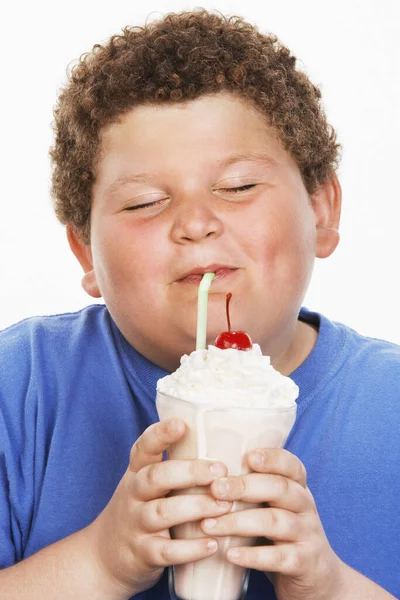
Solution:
(232, 401)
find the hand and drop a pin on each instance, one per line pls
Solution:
(301, 560)
(131, 535)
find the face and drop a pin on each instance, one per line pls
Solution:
(187, 188)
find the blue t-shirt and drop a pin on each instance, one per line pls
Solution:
(74, 396)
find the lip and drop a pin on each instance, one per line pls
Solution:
(195, 275)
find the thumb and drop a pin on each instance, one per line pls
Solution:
(153, 442)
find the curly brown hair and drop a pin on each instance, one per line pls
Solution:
(179, 58)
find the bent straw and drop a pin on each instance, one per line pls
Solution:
(202, 305)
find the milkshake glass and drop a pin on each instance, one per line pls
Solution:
(232, 403)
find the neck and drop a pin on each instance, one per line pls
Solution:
(303, 341)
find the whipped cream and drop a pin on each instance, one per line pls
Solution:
(229, 378)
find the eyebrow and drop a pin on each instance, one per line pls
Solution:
(258, 157)
(121, 181)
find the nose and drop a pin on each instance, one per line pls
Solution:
(195, 220)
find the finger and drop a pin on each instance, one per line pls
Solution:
(163, 513)
(288, 559)
(278, 461)
(273, 523)
(158, 479)
(163, 552)
(149, 447)
(257, 488)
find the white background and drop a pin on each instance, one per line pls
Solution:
(350, 48)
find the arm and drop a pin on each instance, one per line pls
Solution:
(354, 585)
(67, 569)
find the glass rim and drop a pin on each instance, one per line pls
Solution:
(209, 408)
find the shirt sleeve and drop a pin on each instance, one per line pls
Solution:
(17, 440)
(8, 554)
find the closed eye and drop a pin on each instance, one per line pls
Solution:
(232, 190)
(241, 188)
(145, 205)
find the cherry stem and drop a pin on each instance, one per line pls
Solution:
(228, 299)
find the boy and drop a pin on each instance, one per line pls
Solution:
(189, 145)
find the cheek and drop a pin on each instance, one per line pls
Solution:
(128, 253)
(283, 240)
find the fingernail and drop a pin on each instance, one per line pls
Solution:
(222, 486)
(217, 469)
(223, 503)
(174, 427)
(210, 523)
(257, 458)
(212, 545)
(233, 554)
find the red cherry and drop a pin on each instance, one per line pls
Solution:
(238, 340)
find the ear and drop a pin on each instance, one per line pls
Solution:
(83, 253)
(327, 203)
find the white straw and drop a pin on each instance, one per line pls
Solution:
(202, 306)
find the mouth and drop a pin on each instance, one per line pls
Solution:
(196, 274)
